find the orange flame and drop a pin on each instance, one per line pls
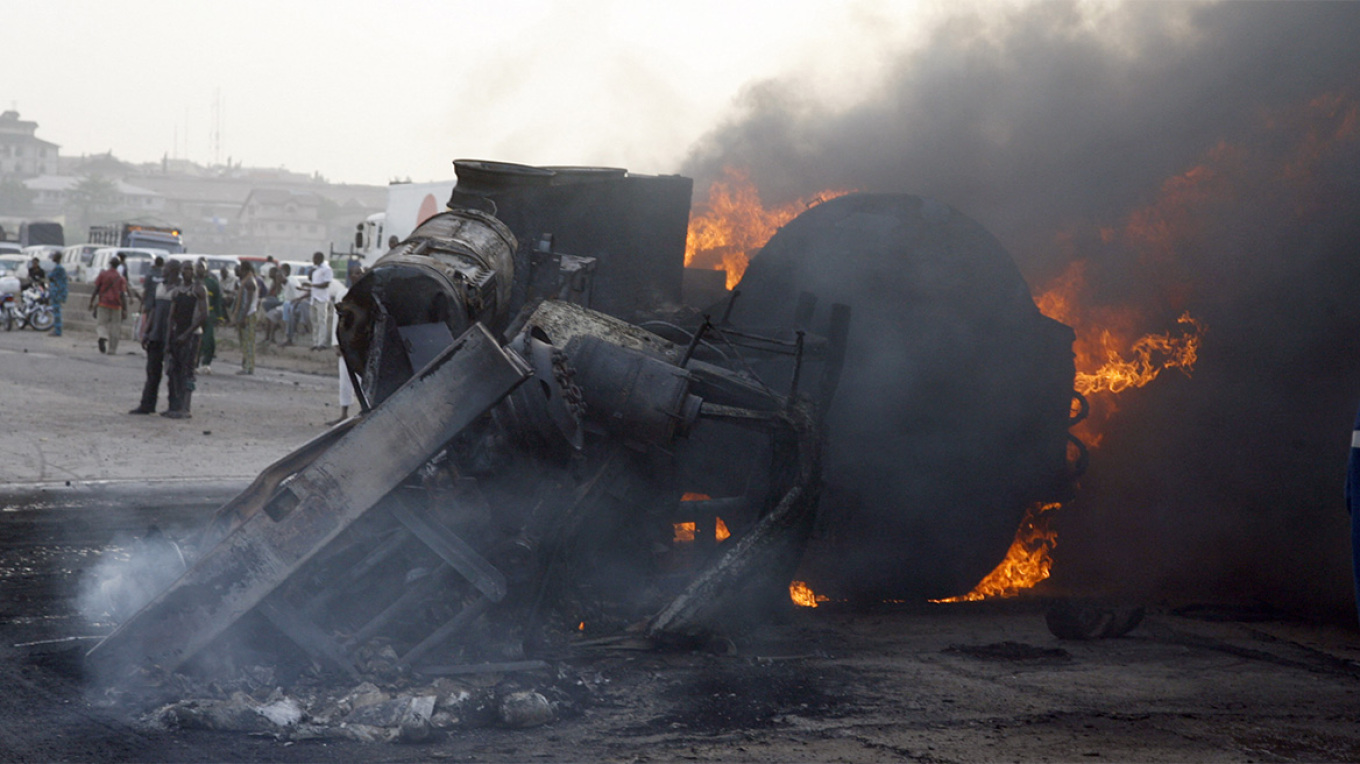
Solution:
(1111, 353)
(684, 533)
(1149, 355)
(733, 223)
(1027, 562)
(802, 594)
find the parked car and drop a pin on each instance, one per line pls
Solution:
(43, 251)
(10, 265)
(298, 267)
(215, 263)
(77, 259)
(10, 248)
(19, 265)
(138, 262)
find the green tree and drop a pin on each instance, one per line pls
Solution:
(16, 199)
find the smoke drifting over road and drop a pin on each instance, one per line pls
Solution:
(1200, 157)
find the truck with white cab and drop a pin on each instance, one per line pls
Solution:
(408, 205)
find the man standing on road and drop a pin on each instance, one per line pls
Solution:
(292, 297)
(157, 329)
(244, 315)
(57, 292)
(215, 313)
(321, 301)
(108, 303)
(188, 311)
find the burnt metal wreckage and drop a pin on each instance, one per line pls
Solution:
(542, 421)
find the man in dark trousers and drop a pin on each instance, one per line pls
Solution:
(216, 312)
(188, 312)
(156, 305)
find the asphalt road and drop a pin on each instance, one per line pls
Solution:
(900, 682)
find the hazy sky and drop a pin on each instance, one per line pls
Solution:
(365, 92)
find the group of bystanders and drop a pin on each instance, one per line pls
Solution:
(181, 305)
(174, 311)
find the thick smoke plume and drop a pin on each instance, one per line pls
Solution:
(1189, 157)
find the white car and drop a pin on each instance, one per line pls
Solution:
(17, 265)
(11, 265)
(77, 259)
(215, 263)
(138, 261)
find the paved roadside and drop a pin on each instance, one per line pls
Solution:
(65, 412)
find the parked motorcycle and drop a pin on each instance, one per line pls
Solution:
(34, 311)
(9, 310)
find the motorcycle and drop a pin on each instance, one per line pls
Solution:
(35, 310)
(9, 310)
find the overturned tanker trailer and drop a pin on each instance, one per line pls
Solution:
(550, 444)
(515, 475)
(953, 412)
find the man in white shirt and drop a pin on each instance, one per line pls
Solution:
(321, 304)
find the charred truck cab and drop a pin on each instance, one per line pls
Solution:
(455, 270)
(551, 443)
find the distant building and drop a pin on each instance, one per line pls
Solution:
(223, 209)
(22, 153)
(284, 223)
(52, 193)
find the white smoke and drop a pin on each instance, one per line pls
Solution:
(131, 572)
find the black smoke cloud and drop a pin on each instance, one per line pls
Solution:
(1052, 121)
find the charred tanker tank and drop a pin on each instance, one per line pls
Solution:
(954, 407)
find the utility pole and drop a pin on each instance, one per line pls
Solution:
(217, 126)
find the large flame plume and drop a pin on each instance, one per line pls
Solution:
(733, 223)
(1113, 353)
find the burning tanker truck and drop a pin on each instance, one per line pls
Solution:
(551, 442)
